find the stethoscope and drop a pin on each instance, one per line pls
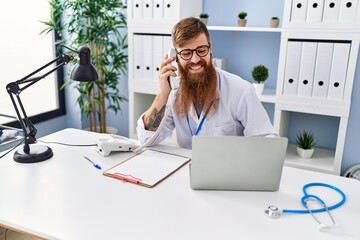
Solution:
(275, 212)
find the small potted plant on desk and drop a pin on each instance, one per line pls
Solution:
(242, 19)
(274, 22)
(204, 17)
(305, 142)
(259, 73)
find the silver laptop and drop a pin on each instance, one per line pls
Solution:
(237, 163)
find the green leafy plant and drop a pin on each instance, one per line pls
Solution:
(275, 18)
(260, 73)
(96, 24)
(242, 15)
(305, 140)
(203, 15)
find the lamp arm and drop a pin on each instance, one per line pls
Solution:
(14, 88)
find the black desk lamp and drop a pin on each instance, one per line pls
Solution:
(84, 71)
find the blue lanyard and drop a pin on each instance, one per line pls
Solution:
(198, 128)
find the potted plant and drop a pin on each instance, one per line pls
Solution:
(98, 25)
(259, 73)
(204, 17)
(305, 142)
(274, 22)
(242, 19)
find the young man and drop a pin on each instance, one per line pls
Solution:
(209, 100)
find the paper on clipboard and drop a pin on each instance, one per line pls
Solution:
(147, 168)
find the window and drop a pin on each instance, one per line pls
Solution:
(23, 50)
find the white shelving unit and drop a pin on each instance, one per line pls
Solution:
(142, 91)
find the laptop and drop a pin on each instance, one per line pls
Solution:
(237, 163)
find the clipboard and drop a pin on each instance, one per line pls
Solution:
(147, 168)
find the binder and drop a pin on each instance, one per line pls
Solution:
(167, 44)
(338, 71)
(292, 64)
(158, 56)
(147, 9)
(137, 9)
(148, 168)
(298, 10)
(322, 70)
(315, 10)
(138, 57)
(348, 9)
(148, 56)
(307, 67)
(170, 9)
(331, 10)
(158, 7)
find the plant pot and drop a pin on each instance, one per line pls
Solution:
(274, 23)
(304, 153)
(204, 20)
(242, 22)
(110, 130)
(259, 88)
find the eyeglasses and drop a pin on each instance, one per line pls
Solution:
(201, 51)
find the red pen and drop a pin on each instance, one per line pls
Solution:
(127, 178)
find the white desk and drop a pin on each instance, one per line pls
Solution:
(67, 198)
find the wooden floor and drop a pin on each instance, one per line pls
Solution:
(12, 235)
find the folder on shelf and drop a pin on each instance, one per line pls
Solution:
(331, 10)
(322, 69)
(137, 9)
(292, 64)
(148, 57)
(138, 57)
(167, 44)
(158, 9)
(315, 10)
(148, 168)
(170, 9)
(298, 10)
(158, 55)
(348, 10)
(307, 67)
(338, 70)
(147, 9)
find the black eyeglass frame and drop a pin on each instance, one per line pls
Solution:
(192, 52)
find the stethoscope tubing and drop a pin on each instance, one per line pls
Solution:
(307, 196)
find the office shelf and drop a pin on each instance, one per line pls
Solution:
(310, 28)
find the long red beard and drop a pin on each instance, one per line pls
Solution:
(200, 88)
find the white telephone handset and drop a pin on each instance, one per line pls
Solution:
(174, 81)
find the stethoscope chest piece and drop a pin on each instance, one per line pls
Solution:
(273, 212)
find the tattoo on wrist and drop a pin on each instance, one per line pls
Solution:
(154, 119)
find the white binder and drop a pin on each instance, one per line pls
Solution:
(167, 44)
(138, 57)
(331, 10)
(307, 67)
(348, 10)
(158, 56)
(170, 9)
(148, 57)
(298, 10)
(292, 64)
(322, 70)
(158, 9)
(315, 10)
(338, 71)
(147, 9)
(137, 9)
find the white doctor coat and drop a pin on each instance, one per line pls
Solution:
(239, 113)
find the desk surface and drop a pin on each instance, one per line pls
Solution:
(67, 198)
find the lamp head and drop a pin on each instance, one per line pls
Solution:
(84, 71)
